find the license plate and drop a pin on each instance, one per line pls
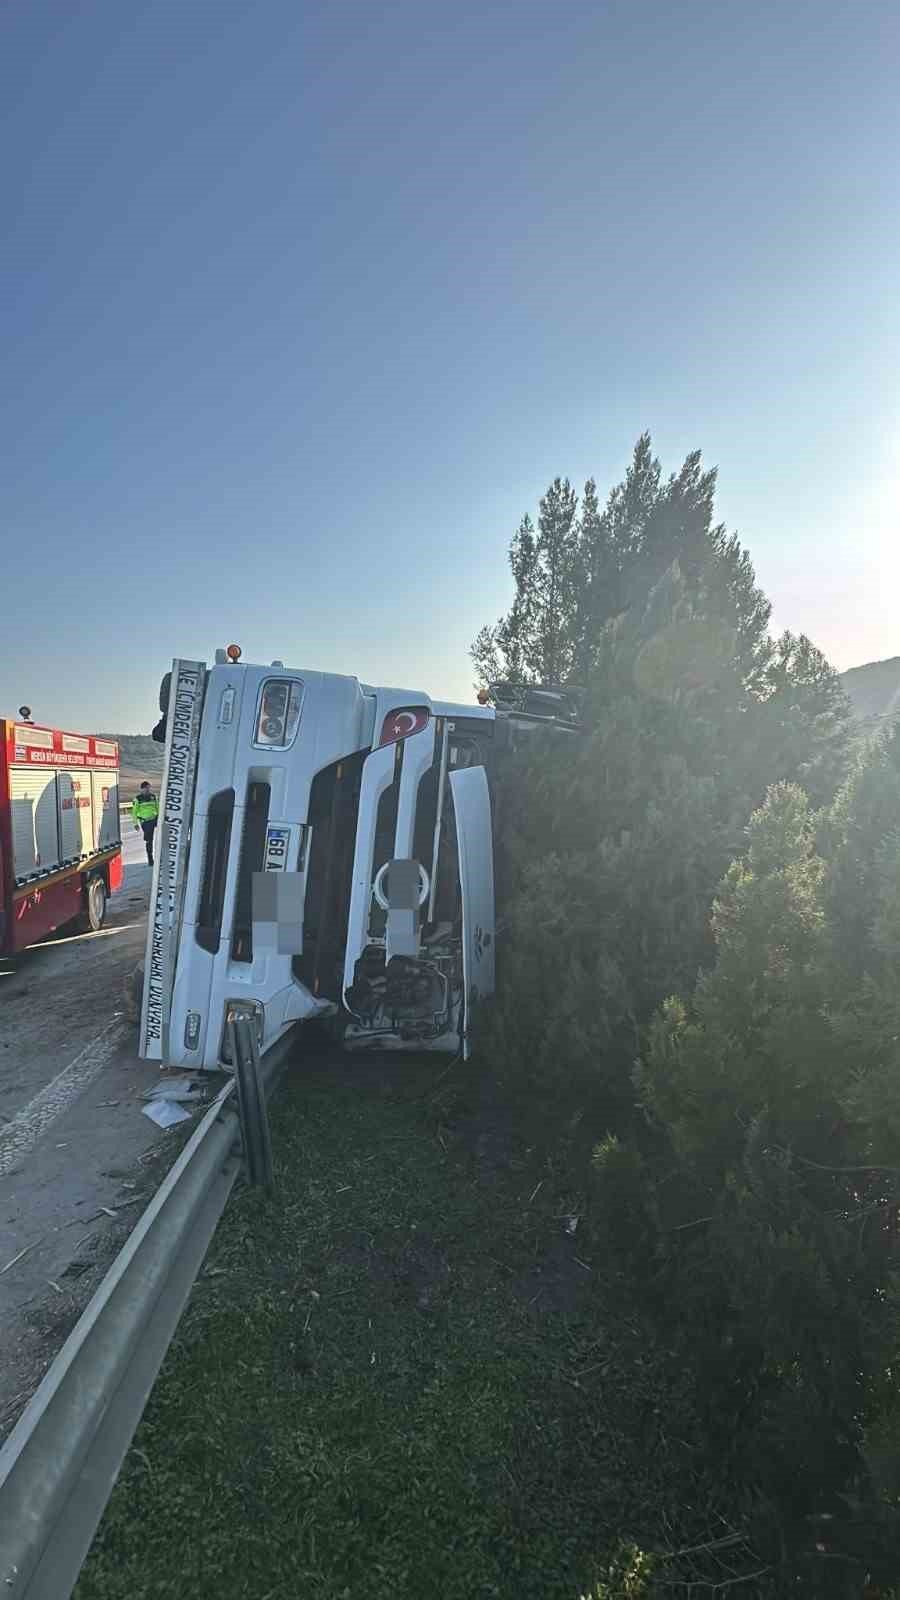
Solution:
(277, 841)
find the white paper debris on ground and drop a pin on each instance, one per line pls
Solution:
(175, 1089)
(165, 1113)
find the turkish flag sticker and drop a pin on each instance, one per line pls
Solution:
(403, 722)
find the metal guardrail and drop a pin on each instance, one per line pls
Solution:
(59, 1464)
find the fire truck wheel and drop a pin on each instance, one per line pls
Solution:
(94, 904)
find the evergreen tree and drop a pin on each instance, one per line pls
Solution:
(608, 856)
(534, 641)
(631, 506)
(597, 588)
(801, 727)
(580, 570)
(855, 835)
(506, 650)
(551, 655)
(750, 1178)
(765, 1191)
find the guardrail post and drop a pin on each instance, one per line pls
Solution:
(252, 1108)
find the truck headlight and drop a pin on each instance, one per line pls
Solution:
(278, 713)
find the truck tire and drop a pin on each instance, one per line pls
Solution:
(94, 913)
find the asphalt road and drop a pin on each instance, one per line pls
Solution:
(72, 1133)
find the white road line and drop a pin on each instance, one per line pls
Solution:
(20, 1136)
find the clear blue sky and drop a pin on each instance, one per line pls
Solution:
(304, 304)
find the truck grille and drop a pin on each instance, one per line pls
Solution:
(253, 850)
(215, 871)
(333, 811)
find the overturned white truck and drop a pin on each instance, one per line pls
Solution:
(325, 850)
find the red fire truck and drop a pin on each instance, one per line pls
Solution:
(60, 844)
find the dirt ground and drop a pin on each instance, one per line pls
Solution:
(77, 1157)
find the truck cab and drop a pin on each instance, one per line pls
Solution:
(324, 850)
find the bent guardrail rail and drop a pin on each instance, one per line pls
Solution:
(59, 1464)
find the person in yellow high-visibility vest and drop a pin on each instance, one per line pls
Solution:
(145, 811)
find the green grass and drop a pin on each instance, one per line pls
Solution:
(396, 1380)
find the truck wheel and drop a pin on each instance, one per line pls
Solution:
(95, 904)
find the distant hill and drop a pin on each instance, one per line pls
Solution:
(874, 691)
(140, 758)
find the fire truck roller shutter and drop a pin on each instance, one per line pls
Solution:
(35, 822)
